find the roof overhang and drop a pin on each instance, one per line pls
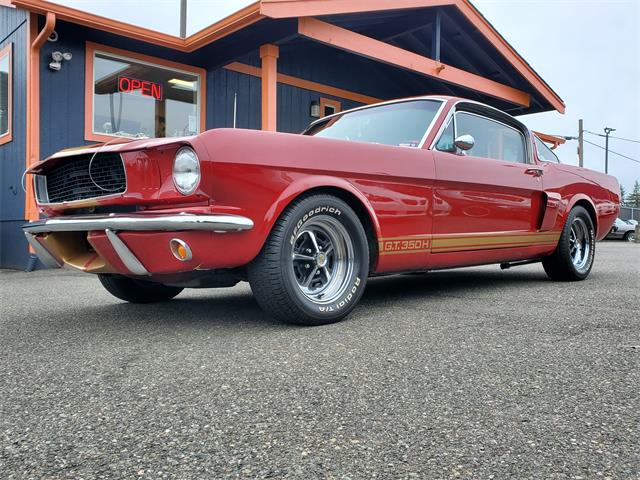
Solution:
(239, 20)
(282, 9)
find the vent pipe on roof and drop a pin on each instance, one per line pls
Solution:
(183, 18)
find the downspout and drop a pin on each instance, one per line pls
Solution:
(33, 112)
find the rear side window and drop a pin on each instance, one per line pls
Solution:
(544, 152)
(492, 139)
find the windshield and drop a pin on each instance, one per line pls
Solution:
(401, 124)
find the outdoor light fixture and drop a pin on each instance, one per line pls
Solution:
(57, 58)
(314, 109)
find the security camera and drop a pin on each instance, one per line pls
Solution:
(67, 56)
(57, 56)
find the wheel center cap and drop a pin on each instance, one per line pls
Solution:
(321, 259)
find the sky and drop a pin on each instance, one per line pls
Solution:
(587, 50)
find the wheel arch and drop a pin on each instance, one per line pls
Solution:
(587, 204)
(341, 189)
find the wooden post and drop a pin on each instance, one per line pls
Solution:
(269, 55)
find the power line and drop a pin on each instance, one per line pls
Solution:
(611, 151)
(611, 136)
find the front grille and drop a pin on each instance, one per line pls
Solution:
(72, 180)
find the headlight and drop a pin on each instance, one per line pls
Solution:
(186, 171)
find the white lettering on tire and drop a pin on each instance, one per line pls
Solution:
(344, 301)
(310, 213)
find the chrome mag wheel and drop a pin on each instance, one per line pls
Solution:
(323, 259)
(580, 244)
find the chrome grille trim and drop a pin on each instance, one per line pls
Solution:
(70, 181)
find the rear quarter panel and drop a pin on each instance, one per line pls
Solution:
(575, 185)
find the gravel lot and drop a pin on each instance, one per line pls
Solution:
(473, 373)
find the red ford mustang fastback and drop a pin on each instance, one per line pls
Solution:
(410, 185)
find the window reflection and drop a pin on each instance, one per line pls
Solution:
(136, 99)
(4, 93)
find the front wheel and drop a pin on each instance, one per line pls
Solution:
(314, 266)
(137, 291)
(573, 257)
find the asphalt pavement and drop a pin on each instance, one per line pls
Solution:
(472, 373)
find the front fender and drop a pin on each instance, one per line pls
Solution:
(307, 184)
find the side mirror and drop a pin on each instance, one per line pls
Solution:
(465, 142)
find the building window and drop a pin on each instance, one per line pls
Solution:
(329, 107)
(5, 94)
(132, 95)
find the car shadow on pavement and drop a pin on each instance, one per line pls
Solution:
(447, 283)
(234, 308)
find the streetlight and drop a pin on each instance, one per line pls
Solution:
(607, 131)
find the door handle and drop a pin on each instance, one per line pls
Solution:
(535, 171)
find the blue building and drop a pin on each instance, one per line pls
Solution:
(69, 78)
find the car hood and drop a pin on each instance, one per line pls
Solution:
(118, 145)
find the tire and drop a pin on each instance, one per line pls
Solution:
(630, 236)
(137, 291)
(569, 262)
(327, 278)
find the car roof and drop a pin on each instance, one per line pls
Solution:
(443, 98)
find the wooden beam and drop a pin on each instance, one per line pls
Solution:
(383, 52)
(553, 140)
(269, 55)
(305, 84)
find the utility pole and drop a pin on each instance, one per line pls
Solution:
(607, 131)
(183, 18)
(580, 143)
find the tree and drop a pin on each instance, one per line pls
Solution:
(633, 199)
(623, 195)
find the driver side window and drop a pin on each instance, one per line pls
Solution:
(493, 139)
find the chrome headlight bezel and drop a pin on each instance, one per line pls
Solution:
(186, 163)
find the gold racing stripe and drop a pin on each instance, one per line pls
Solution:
(467, 242)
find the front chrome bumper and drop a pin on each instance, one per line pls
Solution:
(146, 222)
(111, 224)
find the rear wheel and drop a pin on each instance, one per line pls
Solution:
(137, 291)
(574, 254)
(630, 236)
(313, 267)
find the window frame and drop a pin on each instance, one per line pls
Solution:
(8, 137)
(327, 102)
(90, 52)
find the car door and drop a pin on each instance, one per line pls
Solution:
(490, 196)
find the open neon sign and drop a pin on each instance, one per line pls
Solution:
(145, 87)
